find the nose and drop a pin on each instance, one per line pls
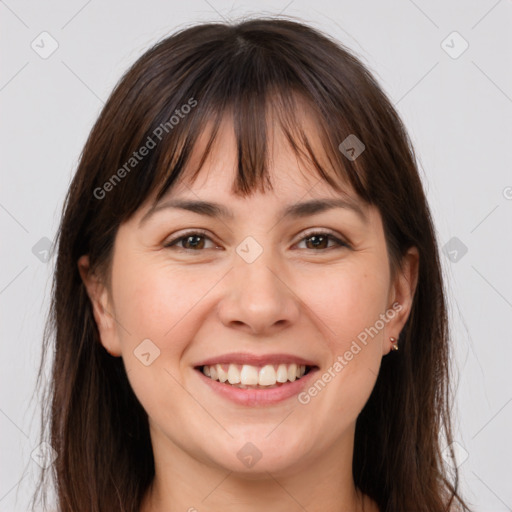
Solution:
(257, 298)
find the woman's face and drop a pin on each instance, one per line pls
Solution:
(260, 290)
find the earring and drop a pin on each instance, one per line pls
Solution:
(394, 345)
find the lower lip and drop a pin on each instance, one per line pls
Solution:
(255, 397)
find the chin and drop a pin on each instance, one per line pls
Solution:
(256, 453)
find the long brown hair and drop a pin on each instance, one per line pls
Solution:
(90, 415)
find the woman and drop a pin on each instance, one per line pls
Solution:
(248, 303)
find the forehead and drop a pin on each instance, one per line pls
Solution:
(297, 191)
(290, 174)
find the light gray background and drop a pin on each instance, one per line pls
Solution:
(458, 112)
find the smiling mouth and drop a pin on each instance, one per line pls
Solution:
(246, 376)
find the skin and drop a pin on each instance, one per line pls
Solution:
(294, 298)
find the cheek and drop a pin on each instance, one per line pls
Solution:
(161, 304)
(347, 301)
(156, 301)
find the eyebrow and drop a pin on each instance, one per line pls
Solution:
(296, 210)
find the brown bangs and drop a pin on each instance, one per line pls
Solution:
(254, 124)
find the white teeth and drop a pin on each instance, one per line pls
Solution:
(233, 374)
(221, 373)
(267, 376)
(282, 373)
(248, 375)
(292, 372)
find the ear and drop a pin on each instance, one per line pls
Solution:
(102, 307)
(401, 295)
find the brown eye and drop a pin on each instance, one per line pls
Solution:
(320, 241)
(194, 241)
(317, 242)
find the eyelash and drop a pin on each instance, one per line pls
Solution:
(311, 234)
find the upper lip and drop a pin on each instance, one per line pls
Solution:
(255, 360)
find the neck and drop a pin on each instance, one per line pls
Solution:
(183, 483)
